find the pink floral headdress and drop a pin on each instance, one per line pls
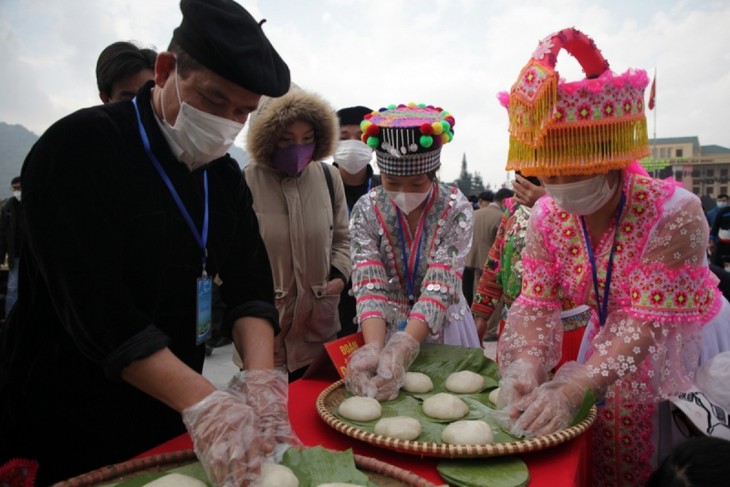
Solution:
(585, 127)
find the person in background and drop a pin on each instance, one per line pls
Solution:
(630, 247)
(104, 347)
(486, 223)
(302, 212)
(352, 158)
(697, 462)
(12, 240)
(474, 200)
(485, 198)
(722, 200)
(122, 69)
(501, 278)
(410, 238)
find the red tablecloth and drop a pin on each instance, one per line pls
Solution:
(564, 465)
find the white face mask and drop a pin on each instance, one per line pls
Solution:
(199, 137)
(720, 204)
(353, 155)
(582, 197)
(17, 195)
(407, 202)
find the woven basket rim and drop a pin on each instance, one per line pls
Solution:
(444, 450)
(111, 473)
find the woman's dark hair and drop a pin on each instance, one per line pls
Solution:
(119, 60)
(697, 462)
(533, 179)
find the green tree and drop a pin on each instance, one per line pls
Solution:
(464, 183)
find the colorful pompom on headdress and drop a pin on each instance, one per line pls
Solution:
(584, 127)
(408, 138)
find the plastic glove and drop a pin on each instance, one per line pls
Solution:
(361, 368)
(553, 405)
(397, 356)
(266, 391)
(225, 438)
(520, 378)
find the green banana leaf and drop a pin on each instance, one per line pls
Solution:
(588, 401)
(317, 465)
(489, 472)
(312, 466)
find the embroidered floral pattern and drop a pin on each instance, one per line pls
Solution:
(379, 281)
(661, 295)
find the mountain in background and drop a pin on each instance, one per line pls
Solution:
(16, 141)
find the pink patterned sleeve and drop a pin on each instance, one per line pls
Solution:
(651, 347)
(533, 330)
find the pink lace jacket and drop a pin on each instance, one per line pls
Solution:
(661, 291)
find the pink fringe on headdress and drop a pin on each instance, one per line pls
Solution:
(503, 97)
(636, 168)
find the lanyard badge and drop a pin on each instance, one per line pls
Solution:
(204, 295)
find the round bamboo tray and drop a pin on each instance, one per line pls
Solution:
(332, 396)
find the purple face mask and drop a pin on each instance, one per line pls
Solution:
(293, 159)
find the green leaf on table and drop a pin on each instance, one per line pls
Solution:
(509, 471)
(317, 465)
(588, 401)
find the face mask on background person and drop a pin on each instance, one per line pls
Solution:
(407, 202)
(720, 204)
(292, 159)
(200, 137)
(353, 155)
(17, 195)
(582, 197)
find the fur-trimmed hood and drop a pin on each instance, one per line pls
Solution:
(274, 114)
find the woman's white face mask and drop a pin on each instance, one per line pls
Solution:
(582, 197)
(407, 202)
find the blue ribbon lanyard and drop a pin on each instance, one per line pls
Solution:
(201, 238)
(411, 273)
(603, 304)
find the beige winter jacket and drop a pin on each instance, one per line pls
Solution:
(304, 236)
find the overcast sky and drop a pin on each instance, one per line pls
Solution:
(454, 53)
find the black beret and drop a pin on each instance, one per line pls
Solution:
(352, 115)
(222, 36)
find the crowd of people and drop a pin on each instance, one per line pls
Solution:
(593, 277)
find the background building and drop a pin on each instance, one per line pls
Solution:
(702, 169)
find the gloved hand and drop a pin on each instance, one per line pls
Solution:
(395, 359)
(361, 368)
(519, 379)
(553, 405)
(266, 391)
(225, 439)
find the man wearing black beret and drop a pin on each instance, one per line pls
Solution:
(104, 350)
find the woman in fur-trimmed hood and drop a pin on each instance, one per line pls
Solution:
(303, 220)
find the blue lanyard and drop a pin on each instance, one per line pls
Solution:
(410, 276)
(202, 239)
(603, 304)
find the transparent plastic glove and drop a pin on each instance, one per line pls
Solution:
(361, 368)
(520, 378)
(397, 355)
(553, 405)
(266, 391)
(225, 439)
